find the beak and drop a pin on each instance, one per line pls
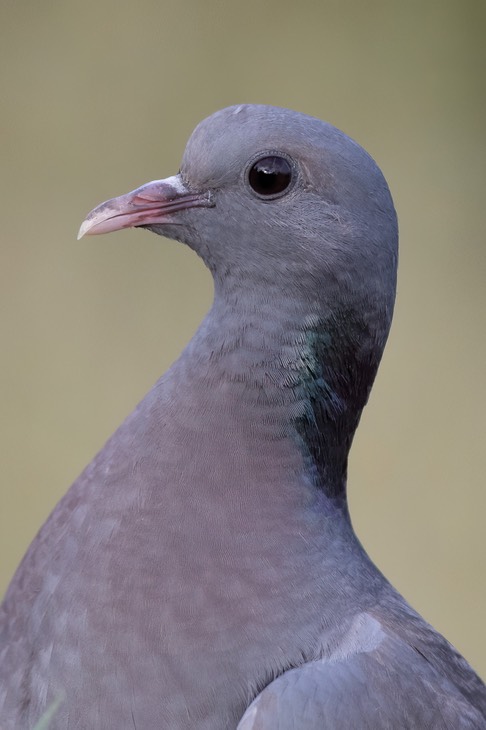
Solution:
(153, 203)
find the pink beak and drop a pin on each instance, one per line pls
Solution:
(153, 203)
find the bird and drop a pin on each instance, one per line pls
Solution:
(203, 571)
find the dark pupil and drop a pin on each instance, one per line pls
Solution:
(270, 175)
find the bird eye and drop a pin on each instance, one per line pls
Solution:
(270, 175)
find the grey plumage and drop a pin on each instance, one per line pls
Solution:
(203, 571)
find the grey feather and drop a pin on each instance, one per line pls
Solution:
(203, 570)
(377, 682)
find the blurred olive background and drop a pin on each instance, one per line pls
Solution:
(100, 97)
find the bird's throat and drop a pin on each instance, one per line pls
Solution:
(308, 385)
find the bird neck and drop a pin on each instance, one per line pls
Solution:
(298, 370)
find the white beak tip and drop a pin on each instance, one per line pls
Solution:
(85, 226)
